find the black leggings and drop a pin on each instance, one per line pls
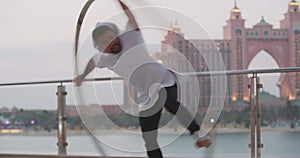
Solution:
(149, 123)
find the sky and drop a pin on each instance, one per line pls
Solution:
(37, 38)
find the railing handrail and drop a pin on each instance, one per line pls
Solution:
(57, 81)
(243, 72)
(207, 73)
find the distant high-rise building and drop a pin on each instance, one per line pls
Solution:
(238, 47)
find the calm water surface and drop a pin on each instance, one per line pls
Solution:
(276, 144)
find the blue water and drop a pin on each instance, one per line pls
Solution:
(276, 144)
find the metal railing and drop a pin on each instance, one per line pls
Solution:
(254, 86)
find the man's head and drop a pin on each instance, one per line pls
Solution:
(105, 38)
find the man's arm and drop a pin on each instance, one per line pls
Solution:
(90, 67)
(130, 16)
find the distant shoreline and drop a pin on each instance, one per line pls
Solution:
(246, 130)
(162, 131)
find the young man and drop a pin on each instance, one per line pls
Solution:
(125, 54)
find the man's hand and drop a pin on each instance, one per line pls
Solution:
(79, 79)
(129, 14)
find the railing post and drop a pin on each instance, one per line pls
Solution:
(61, 119)
(258, 117)
(252, 115)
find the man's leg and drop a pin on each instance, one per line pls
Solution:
(183, 115)
(149, 126)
